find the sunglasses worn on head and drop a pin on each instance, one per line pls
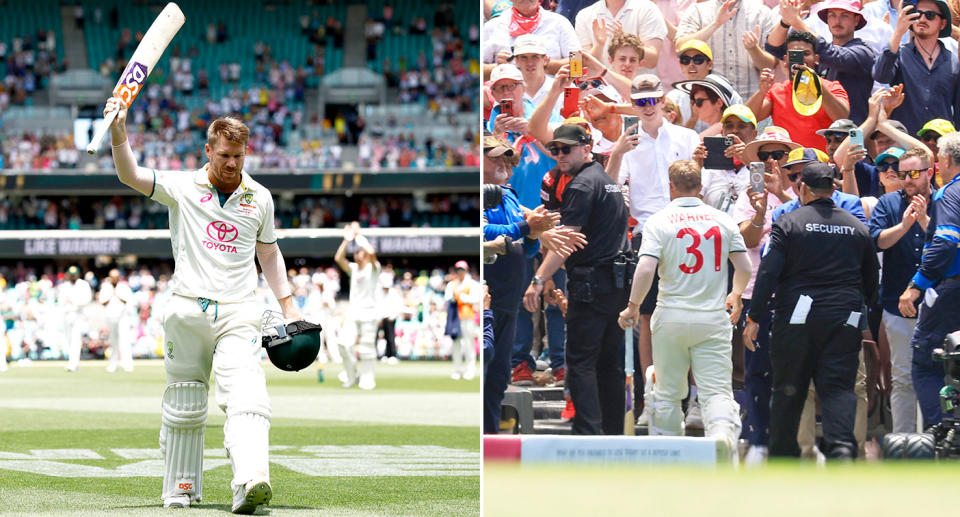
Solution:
(913, 173)
(765, 155)
(929, 15)
(649, 101)
(699, 59)
(699, 101)
(888, 166)
(557, 149)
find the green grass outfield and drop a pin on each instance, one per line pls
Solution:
(86, 443)
(775, 490)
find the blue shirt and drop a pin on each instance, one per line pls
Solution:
(850, 64)
(503, 276)
(848, 202)
(930, 92)
(901, 260)
(940, 258)
(534, 163)
(868, 180)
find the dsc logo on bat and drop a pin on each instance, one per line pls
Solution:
(131, 82)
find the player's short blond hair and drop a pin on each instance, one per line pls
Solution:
(230, 128)
(671, 107)
(685, 175)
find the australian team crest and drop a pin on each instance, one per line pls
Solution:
(247, 198)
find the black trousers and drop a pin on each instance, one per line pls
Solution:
(595, 357)
(827, 352)
(389, 336)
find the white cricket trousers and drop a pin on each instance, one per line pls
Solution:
(72, 331)
(686, 340)
(903, 398)
(226, 338)
(464, 348)
(121, 344)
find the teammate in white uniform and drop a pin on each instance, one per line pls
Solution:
(690, 242)
(468, 294)
(219, 219)
(115, 296)
(72, 296)
(360, 327)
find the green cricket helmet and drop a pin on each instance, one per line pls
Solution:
(292, 346)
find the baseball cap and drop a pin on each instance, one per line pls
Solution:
(740, 111)
(895, 123)
(770, 135)
(852, 6)
(817, 175)
(841, 126)
(529, 44)
(938, 126)
(806, 155)
(500, 7)
(570, 134)
(461, 264)
(698, 45)
(717, 83)
(492, 147)
(645, 86)
(893, 152)
(505, 71)
(807, 92)
(73, 270)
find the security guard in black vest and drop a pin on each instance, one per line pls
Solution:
(597, 287)
(823, 267)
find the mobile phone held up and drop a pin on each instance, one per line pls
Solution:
(795, 58)
(756, 177)
(506, 107)
(571, 101)
(631, 124)
(716, 147)
(576, 64)
(856, 137)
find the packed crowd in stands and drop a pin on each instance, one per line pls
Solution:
(34, 306)
(130, 212)
(26, 64)
(172, 133)
(840, 101)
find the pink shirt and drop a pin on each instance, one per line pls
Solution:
(744, 211)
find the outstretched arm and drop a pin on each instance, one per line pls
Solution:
(139, 178)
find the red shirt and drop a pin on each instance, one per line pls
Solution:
(802, 129)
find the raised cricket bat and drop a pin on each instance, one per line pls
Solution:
(131, 81)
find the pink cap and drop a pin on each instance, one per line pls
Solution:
(462, 264)
(852, 6)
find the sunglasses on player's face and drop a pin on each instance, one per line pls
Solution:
(766, 155)
(913, 173)
(929, 15)
(888, 166)
(649, 101)
(698, 59)
(555, 150)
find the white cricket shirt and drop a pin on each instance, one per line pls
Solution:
(363, 291)
(214, 246)
(692, 241)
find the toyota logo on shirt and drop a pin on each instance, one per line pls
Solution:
(222, 231)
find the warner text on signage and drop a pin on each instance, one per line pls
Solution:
(221, 234)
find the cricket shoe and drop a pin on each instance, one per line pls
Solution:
(247, 498)
(177, 501)
(456, 376)
(522, 376)
(345, 380)
(469, 374)
(367, 381)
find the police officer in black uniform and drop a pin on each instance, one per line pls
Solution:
(593, 204)
(822, 265)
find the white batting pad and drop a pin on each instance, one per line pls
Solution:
(183, 416)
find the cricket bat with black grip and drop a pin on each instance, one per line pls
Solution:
(131, 81)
